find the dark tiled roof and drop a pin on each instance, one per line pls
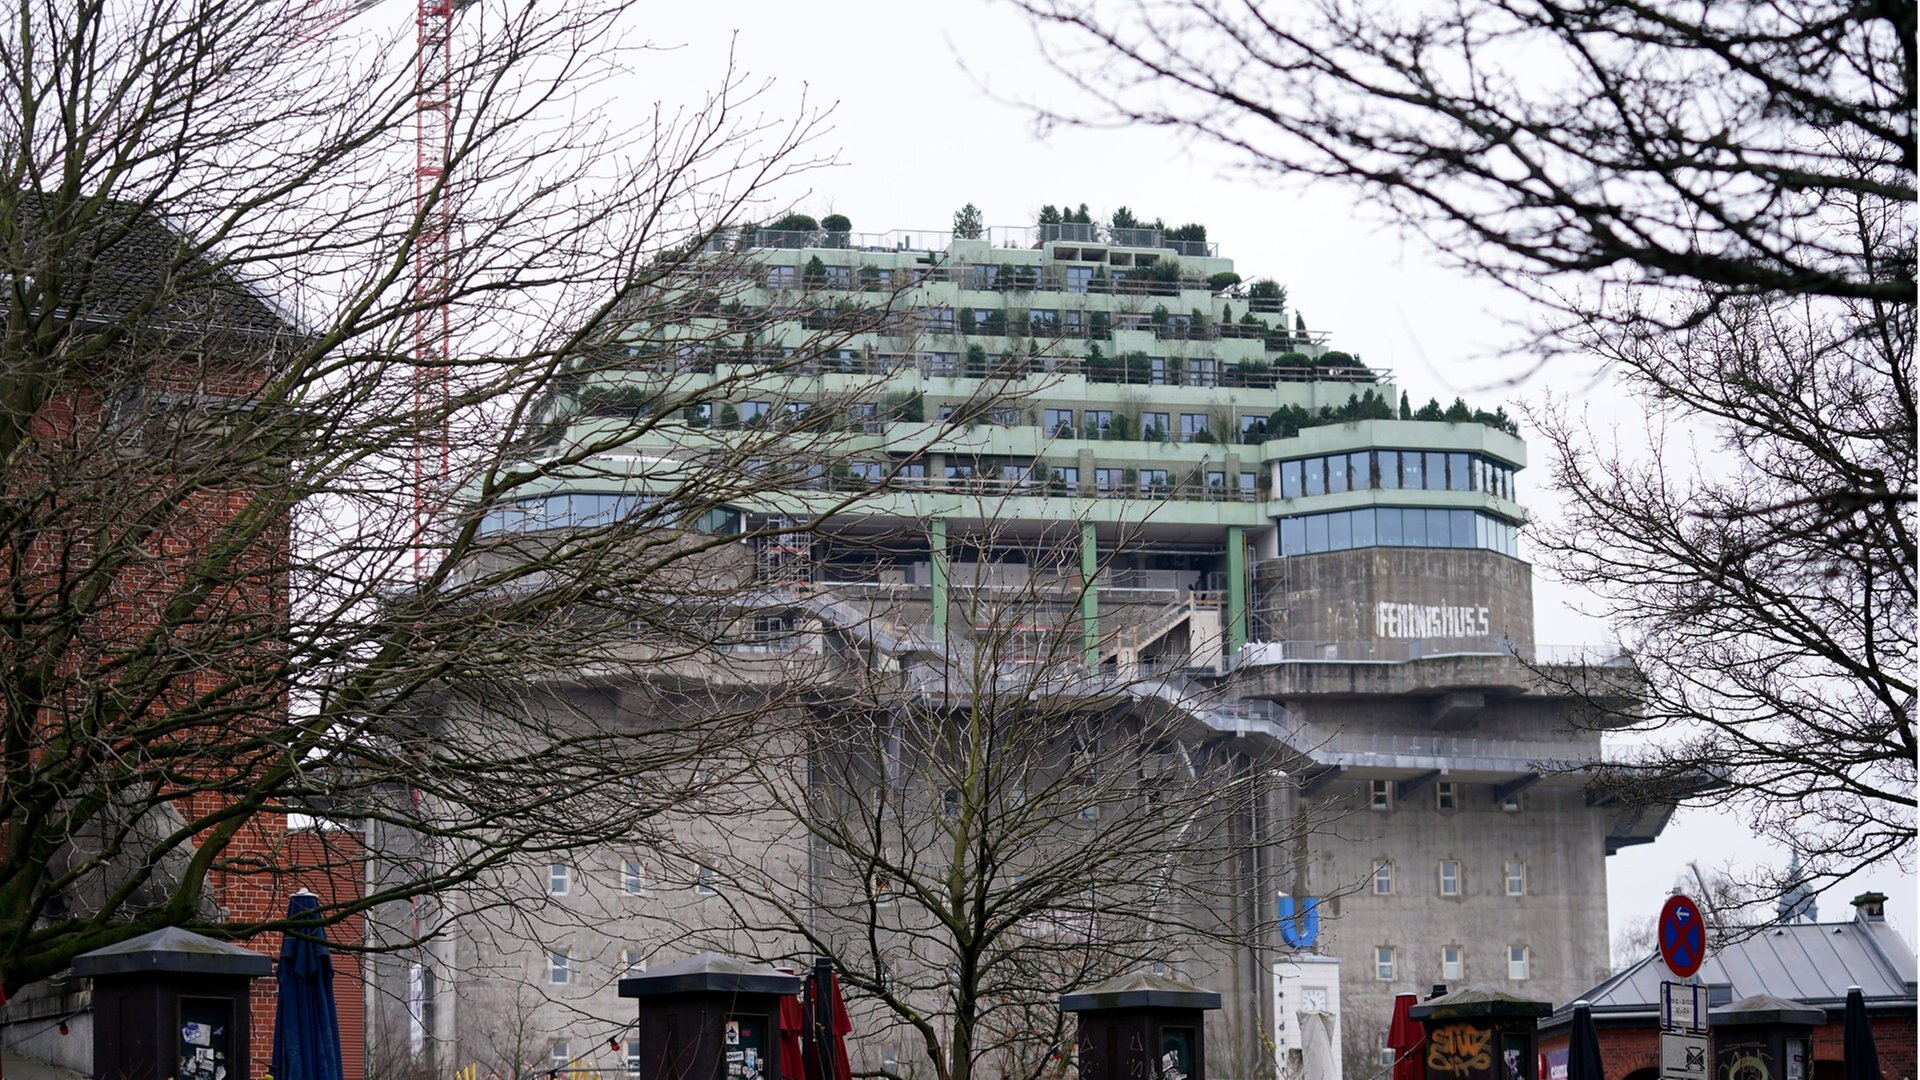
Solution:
(122, 259)
(1812, 963)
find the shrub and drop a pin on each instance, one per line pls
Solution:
(795, 223)
(1190, 232)
(1222, 281)
(1265, 289)
(910, 408)
(815, 273)
(1292, 359)
(836, 223)
(1337, 359)
(1162, 270)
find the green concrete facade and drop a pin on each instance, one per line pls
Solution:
(1012, 385)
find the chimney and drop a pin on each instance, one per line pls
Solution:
(1870, 907)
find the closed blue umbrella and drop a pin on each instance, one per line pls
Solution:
(306, 1029)
(1860, 1060)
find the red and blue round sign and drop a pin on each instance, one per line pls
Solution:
(1683, 936)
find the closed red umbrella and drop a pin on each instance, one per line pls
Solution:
(793, 1026)
(1407, 1038)
(827, 1026)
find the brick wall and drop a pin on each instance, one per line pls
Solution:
(1627, 1051)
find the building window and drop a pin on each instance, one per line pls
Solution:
(1290, 474)
(631, 960)
(633, 877)
(1449, 877)
(1453, 964)
(559, 879)
(1383, 963)
(1079, 278)
(1065, 480)
(881, 886)
(753, 412)
(1516, 878)
(1192, 426)
(1517, 961)
(1154, 482)
(1108, 481)
(1511, 804)
(1387, 1054)
(1249, 483)
(703, 882)
(559, 967)
(1060, 423)
(1382, 878)
(633, 1056)
(561, 1056)
(1446, 796)
(1099, 423)
(1380, 794)
(1154, 426)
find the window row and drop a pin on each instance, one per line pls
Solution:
(589, 509)
(562, 965)
(1446, 796)
(564, 880)
(1396, 526)
(1453, 963)
(1388, 470)
(1450, 877)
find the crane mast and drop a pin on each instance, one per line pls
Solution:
(433, 216)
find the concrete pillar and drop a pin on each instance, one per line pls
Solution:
(1236, 588)
(937, 562)
(1089, 594)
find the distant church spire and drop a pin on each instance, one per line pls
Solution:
(1797, 903)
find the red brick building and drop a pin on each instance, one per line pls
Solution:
(148, 592)
(1810, 962)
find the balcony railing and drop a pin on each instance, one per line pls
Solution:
(998, 485)
(938, 240)
(944, 365)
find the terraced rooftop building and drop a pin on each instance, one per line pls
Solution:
(1215, 504)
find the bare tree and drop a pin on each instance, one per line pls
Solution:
(224, 405)
(1718, 202)
(970, 828)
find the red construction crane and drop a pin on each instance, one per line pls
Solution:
(431, 463)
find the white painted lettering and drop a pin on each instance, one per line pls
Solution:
(1394, 620)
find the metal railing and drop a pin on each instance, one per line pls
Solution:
(929, 241)
(946, 365)
(1400, 652)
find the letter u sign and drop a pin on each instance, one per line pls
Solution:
(1302, 928)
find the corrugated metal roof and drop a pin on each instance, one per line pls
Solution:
(1813, 963)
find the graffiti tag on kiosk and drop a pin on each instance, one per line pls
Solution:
(1460, 1049)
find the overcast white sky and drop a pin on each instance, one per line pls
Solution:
(917, 137)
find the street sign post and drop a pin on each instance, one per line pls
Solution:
(1683, 1006)
(1684, 1056)
(1683, 936)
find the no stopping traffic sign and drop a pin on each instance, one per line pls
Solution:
(1683, 936)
